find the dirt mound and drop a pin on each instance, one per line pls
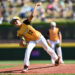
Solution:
(42, 69)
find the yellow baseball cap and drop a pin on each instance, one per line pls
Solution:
(16, 17)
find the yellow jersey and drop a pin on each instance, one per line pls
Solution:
(54, 34)
(29, 33)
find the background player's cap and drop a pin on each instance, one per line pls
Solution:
(15, 18)
(52, 24)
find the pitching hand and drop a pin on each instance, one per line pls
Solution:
(38, 4)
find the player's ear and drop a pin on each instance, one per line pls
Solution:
(12, 22)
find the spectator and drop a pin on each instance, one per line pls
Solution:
(73, 15)
(3, 3)
(62, 8)
(69, 5)
(42, 14)
(1, 18)
(20, 3)
(11, 9)
(43, 0)
(51, 10)
(3, 8)
(5, 17)
(12, 1)
(35, 0)
(55, 5)
(24, 10)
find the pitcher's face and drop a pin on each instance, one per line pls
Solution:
(17, 23)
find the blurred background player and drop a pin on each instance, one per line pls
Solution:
(55, 40)
(30, 37)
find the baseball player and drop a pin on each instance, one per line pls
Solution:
(30, 37)
(55, 40)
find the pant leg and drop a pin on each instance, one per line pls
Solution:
(42, 41)
(29, 48)
(59, 51)
(52, 45)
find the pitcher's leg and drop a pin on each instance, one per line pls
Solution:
(52, 60)
(29, 48)
(52, 45)
(59, 52)
(49, 50)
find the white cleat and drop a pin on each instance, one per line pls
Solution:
(25, 69)
(61, 62)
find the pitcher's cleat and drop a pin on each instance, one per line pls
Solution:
(25, 69)
(57, 62)
(61, 62)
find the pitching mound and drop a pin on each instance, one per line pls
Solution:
(42, 69)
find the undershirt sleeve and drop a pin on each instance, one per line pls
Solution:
(27, 22)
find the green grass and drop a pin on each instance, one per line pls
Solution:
(34, 62)
(7, 66)
(48, 61)
(4, 64)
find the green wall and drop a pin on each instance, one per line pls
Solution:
(8, 32)
(37, 53)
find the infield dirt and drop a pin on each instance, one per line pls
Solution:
(41, 69)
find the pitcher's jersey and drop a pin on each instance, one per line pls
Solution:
(28, 32)
(54, 34)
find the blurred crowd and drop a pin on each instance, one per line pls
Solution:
(53, 9)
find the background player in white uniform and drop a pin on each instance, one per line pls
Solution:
(29, 35)
(55, 40)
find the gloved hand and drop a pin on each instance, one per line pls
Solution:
(23, 42)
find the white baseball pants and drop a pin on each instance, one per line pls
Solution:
(59, 51)
(43, 43)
